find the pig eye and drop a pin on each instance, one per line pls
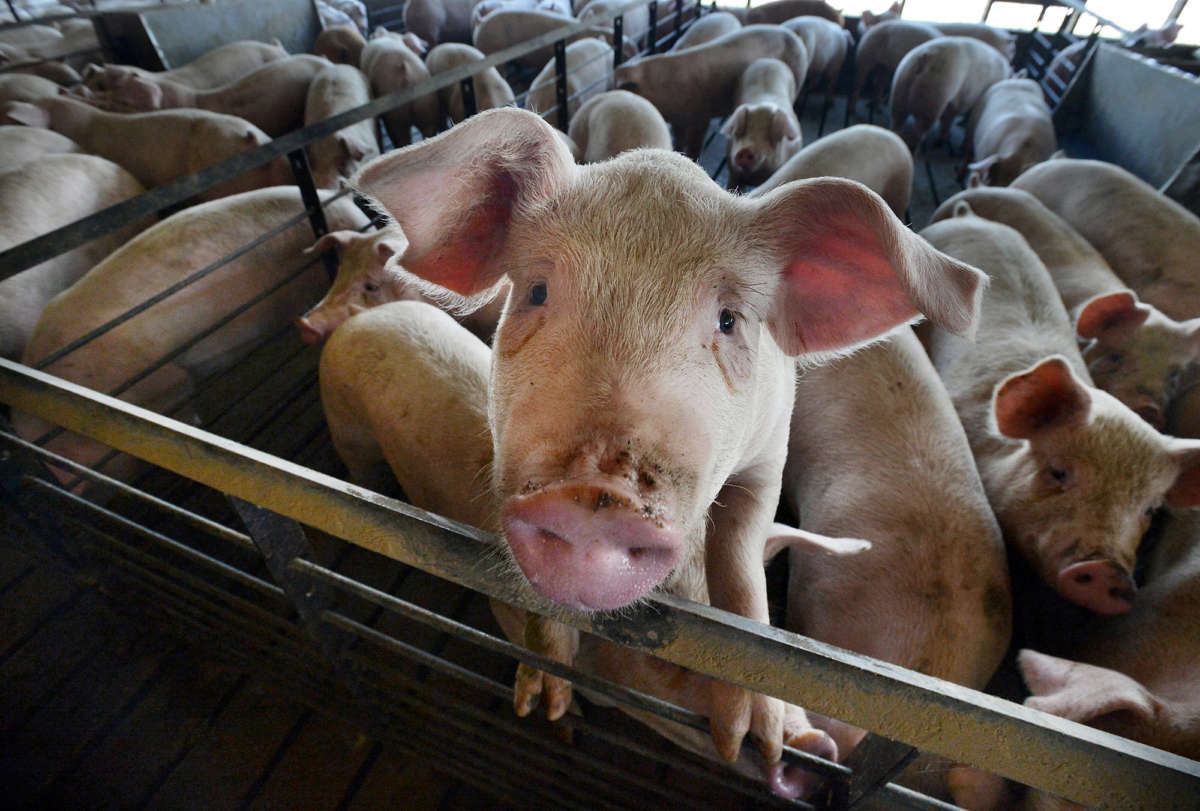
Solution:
(1058, 475)
(537, 294)
(370, 287)
(726, 321)
(1114, 358)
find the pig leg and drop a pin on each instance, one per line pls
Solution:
(553, 639)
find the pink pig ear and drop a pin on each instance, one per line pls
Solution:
(334, 240)
(1046, 396)
(454, 195)
(850, 270)
(1104, 314)
(1185, 492)
(1082, 692)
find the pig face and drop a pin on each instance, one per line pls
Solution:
(362, 281)
(761, 139)
(638, 366)
(1136, 353)
(1076, 496)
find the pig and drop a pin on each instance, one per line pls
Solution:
(871, 155)
(503, 29)
(940, 80)
(336, 89)
(211, 70)
(21, 145)
(271, 97)
(16, 60)
(692, 86)
(340, 44)
(870, 19)
(1010, 129)
(1132, 350)
(827, 44)
(588, 64)
(763, 130)
(671, 313)
(1145, 37)
(616, 121)
(876, 452)
(157, 147)
(48, 192)
(437, 21)
(635, 22)
(491, 90)
(1073, 475)
(1149, 240)
(880, 51)
(999, 39)
(775, 12)
(158, 258)
(30, 37)
(391, 66)
(706, 29)
(25, 87)
(404, 390)
(363, 282)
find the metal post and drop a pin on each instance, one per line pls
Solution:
(298, 159)
(678, 22)
(13, 9)
(653, 26)
(470, 106)
(618, 40)
(560, 82)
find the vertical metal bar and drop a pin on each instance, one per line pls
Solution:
(653, 26)
(678, 22)
(618, 40)
(560, 82)
(298, 159)
(875, 761)
(470, 106)
(987, 10)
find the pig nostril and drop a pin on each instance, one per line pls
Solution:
(1083, 578)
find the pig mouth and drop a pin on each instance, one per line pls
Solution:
(591, 546)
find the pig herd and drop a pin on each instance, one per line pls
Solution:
(578, 341)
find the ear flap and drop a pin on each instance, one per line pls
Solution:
(1046, 396)
(735, 125)
(963, 209)
(22, 112)
(981, 171)
(1185, 492)
(1111, 311)
(1082, 692)
(782, 126)
(1023, 73)
(334, 240)
(783, 537)
(415, 43)
(455, 195)
(850, 271)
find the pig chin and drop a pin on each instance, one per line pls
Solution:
(591, 544)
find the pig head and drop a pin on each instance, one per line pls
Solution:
(643, 370)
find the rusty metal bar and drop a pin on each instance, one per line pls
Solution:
(1044, 751)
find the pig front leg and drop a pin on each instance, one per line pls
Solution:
(559, 642)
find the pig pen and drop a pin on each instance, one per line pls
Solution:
(373, 616)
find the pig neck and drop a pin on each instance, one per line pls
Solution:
(175, 94)
(77, 121)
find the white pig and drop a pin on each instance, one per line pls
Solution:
(335, 90)
(589, 62)
(635, 22)
(763, 130)
(503, 29)
(1003, 42)
(340, 44)
(940, 80)
(1010, 130)
(491, 90)
(873, 156)
(827, 44)
(437, 21)
(25, 87)
(217, 67)
(670, 313)
(21, 145)
(693, 86)
(777, 11)
(1132, 350)
(870, 19)
(47, 193)
(1072, 474)
(391, 66)
(880, 50)
(157, 147)
(707, 28)
(615, 121)
(158, 258)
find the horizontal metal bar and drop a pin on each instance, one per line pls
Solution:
(1050, 753)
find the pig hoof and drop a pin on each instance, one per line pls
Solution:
(527, 691)
(793, 782)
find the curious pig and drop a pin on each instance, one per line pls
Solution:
(1072, 474)
(873, 156)
(1010, 130)
(614, 122)
(215, 68)
(491, 91)
(939, 81)
(670, 313)
(157, 147)
(47, 193)
(763, 130)
(336, 89)
(1133, 351)
(588, 63)
(391, 66)
(692, 86)
(157, 259)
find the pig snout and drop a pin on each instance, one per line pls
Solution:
(1098, 585)
(591, 545)
(746, 160)
(310, 333)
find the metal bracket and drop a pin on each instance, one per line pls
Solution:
(298, 160)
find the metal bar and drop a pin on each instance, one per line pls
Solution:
(651, 40)
(470, 105)
(874, 762)
(560, 83)
(1047, 752)
(302, 171)
(678, 22)
(618, 40)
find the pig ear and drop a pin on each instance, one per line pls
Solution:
(1185, 492)
(963, 209)
(1104, 314)
(735, 127)
(850, 271)
(334, 240)
(868, 18)
(350, 149)
(455, 195)
(981, 171)
(22, 112)
(783, 537)
(782, 126)
(1023, 73)
(1082, 692)
(1046, 396)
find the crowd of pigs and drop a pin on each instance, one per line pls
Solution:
(625, 370)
